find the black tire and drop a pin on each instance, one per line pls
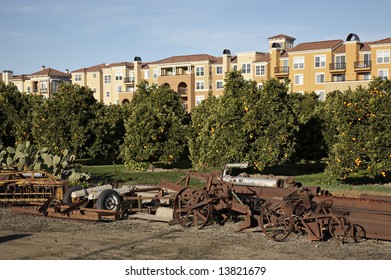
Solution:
(108, 200)
(67, 199)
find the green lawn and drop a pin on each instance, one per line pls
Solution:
(307, 174)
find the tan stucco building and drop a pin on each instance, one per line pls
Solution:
(44, 82)
(320, 67)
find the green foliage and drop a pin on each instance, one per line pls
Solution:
(15, 114)
(107, 131)
(62, 122)
(245, 124)
(270, 126)
(362, 119)
(217, 125)
(155, 127)
(310, 142)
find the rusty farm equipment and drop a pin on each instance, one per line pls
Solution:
(106, 202)
(280, 207)
(29, 186)
(274, 206)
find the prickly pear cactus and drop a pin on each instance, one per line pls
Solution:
(28, 157)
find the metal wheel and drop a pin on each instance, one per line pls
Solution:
(276, 222)
(338, 228)
(192, 208)
(108, 200)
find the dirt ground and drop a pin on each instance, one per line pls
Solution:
(32, 237)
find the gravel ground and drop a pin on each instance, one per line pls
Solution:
(33, 237)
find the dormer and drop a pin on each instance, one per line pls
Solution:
(281, 42)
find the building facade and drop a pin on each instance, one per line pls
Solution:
(44, 82)
(320, 67)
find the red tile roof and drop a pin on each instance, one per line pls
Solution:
(186, 58)
(94, 68)
(330, 44)
(382, 41)
(265, 57)
(50, 72)
(282, 36)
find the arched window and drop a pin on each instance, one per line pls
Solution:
(182, 88)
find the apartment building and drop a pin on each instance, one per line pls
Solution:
(321, 67)
(43, 82)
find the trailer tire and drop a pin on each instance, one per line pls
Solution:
(67, 199)
(108, 200)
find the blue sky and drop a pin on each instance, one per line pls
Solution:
(75, 34)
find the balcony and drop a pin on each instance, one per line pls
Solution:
(338, 67)
(363, 66)
(129, 80)
(281, 71)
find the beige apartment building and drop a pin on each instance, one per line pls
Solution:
(320, 67)
(44, 82)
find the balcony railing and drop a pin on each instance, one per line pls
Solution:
(281, 70)
(362, 64)
(129, 80)
(338, 66)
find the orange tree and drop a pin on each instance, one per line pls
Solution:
(16, 114)
(155, 128)
(217, 135)
(62, 121)
(362, 119)
(245, 124)
(270, 125)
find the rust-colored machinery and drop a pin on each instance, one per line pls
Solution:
(275, 206)
(29, 186)
(282, 208)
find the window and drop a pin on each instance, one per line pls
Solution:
(146, 74)
(365, 76)
(319, 78)
(118, 76)
(340, 62)
(298, 62)
(339, 78)
(320, 61)
(260, 70)
(219, 84)
(94, 75)
(119, 88)
(246, 68)
(260, 86)
(383, 56)
(199, 99)
(155, 73)
(321, 94)
(200, 71)
(383, 74)
(235, 68)
(107, 79)
(107, 93)
(299, 79)
(77, 77)
(200, 85)
(219, 70)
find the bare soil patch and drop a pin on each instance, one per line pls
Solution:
(32, 237)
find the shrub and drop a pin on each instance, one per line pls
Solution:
(362, 119)
(156, 126)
